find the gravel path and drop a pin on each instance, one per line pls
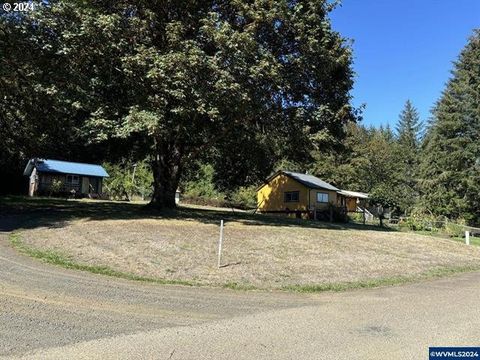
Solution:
(389, 323)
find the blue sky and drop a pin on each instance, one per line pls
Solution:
(403, 50)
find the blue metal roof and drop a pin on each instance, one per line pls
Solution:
(65, 167)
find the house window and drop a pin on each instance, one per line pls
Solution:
(73, 180)
(322, 197)
(292, 196)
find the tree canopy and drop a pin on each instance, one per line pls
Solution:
(450, 168)
(175, 80)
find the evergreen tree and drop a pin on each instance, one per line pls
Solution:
(409, 127)
(387, 132)
(450, 171)
(407, 150)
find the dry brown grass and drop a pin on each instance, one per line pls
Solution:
(265, 256)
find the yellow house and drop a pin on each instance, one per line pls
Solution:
(304, 195)
(291, 192)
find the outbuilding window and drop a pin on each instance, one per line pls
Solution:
(73, 180)
(292, 196)
(322, 197)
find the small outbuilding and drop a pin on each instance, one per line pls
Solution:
(64, 177)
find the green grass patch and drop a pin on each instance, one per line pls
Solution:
(446, 271)
(441, 235)
(473, 240)
(56, 258)
(238, 286)
(374, 283)
(343, 286)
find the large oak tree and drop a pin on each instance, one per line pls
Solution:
(178, 78)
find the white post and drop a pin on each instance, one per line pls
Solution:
(220, 240)
(467, 237)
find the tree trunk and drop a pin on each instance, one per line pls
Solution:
(166, 176)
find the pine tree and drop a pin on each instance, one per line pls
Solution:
(408, 134)
(450, 169)
(408, 127)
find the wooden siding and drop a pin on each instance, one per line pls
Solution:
(332, 199)
(271, 196)
(46, 180)
(86, 184)
(351, 204)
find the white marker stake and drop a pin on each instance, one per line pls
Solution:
(467, 237)
(220, 243)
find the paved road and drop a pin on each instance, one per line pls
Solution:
(50, 312)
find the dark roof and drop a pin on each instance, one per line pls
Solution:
(64, 167)
(309, 181)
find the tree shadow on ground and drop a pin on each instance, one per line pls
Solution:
(28, 213)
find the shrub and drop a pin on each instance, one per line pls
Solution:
(355, 217)
(420, 221)
(455, 229)
(202, 185)
(56, 186)
(201, 190)
(245, 197)
(413, 223)
(123, 185)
